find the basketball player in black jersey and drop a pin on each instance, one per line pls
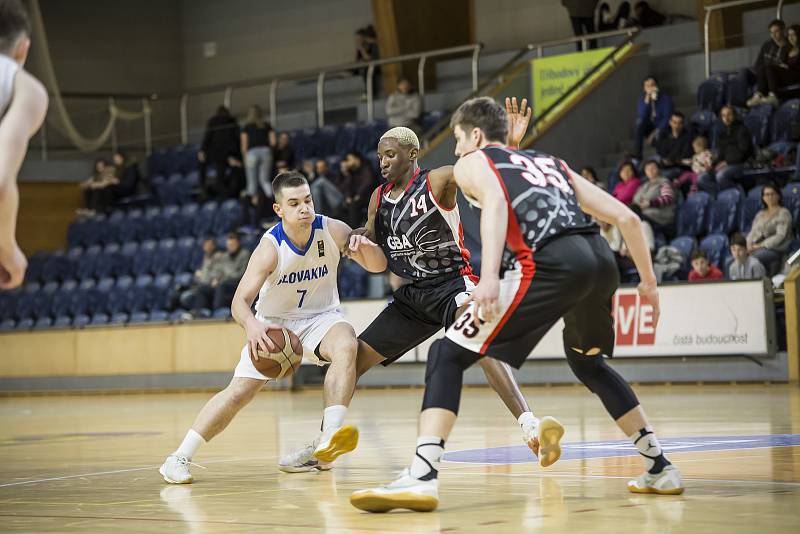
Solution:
(542, 259)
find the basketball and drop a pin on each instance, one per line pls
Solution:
(285, 360)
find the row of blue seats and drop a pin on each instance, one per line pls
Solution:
(104, 319)
(731, 211)
(155, 223)
(766, 126)
(715, 246)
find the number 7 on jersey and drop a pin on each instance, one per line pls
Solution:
(302, 297)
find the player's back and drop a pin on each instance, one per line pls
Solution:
(540, 193)
(8, 72)
(303, 283)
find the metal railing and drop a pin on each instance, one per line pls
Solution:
(719, 7)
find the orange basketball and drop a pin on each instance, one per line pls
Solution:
(285, 360)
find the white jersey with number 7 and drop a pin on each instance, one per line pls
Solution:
(303, 283)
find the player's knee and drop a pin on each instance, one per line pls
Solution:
(585, 364)
(240, 393)
(341, 351)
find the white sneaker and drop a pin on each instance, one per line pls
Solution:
(544, 437)
(175, 470)
(667, 482)
(406, 492)
(336, 442)
(301, 461)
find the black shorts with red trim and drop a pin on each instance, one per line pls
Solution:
(418, 311)
(574, 277)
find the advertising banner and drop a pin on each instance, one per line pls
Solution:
(553, 76)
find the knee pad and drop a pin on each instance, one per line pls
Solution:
(602, 380)
(444, 374)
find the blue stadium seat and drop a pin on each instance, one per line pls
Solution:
(738, 89)
(7, 325)
(177, 316)
(221, 313)
(76, 233)
(227, 217)
(184, 250)
(108, 262)
(327, 137)
(758, 122)
(787, 114)
(685, 246)
(35, 268)
(791, 201)
(26, 304)
(165, 257)
(346, 140)
(78, 300)
(711, 94)
(43, 323)
(716, 247)
(25, 324)
(8, 304)
(691, 220)
(204, 219)
(81, 321)
(724, 212)
(143, 260)
(118, 318)
(158, 316)
(430, 119)
(62, 321)
(161, 291)
(182, 224)
(700, 122)
(141, 295)
(119, 296)
(334, 165)
(58, 266)
(750, 207)
(182, 279)
(138, 317)
(99, 319)
(86, 264)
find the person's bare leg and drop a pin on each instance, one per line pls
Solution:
(222, 407)
(436, 422)
(502, 380)
(339, 346)
(633, 420)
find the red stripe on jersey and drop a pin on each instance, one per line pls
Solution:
(411, 181)
(433, 197)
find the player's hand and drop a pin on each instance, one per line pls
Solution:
(357, 241)
(648, 292)
(257, 338)
(519, 117)
(486, 297)
(12, 267)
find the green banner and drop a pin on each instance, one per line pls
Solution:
(554, 76)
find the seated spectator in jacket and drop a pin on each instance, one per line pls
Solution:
(655, 200)
(674, 147)
(773, 52)
(284, 154)
(590, 174)
(628, 183)
(701, 162)
(99, 190)
(702, 269)
(784, 74)
(328, 199)
(201, 292)
(127, 174)
(231, 267)
(743, 266)
(734, 148)
(652, 114)
(647, 17)
(356, 184)
(771, 233)
(220, 151)
(404, 106)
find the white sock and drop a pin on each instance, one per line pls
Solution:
(526, 419)
(333, 417)
(425, 465)
(190, 444)
(650, 449)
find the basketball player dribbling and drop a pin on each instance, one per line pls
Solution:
(293, 272)
(542, 259)
(23, 105)
(414, 218)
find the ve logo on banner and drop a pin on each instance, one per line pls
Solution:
(633, 320)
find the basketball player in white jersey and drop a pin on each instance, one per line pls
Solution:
(23, 105)
(293, 271)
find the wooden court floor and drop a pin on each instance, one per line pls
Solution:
(88, 464)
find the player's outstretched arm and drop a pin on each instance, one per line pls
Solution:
(477, 181)
(22, 120)
(608, 209)
(357, 246)
(263, 261)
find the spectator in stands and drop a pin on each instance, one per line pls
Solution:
(590, 174)
(581, 15)
(231, 267)
(773, 52)
(404, 106)
(702, 270)
(257, 140)
(356, 184)
(220, 150)
(127, 174)
(652, 114)
(701, 163)
(654, 201)
(328, 199)
(606, 21)
(99, 188)
(771, 233)
(743, 266)
(206, 278)
(647, 17)
(734, 148)
(284, 154)
(367, 50)
(628, 183)
(784, 74)
(674, 147)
